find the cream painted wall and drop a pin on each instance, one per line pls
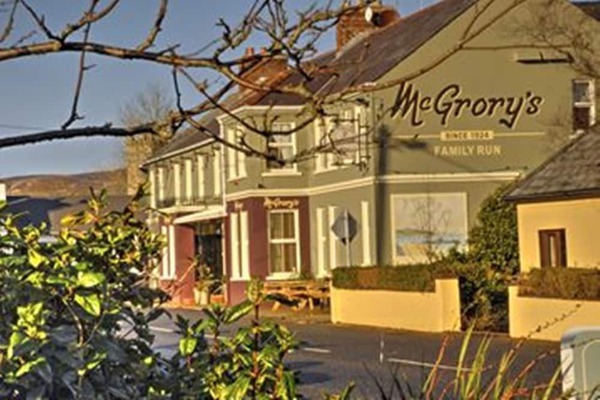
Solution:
(437, 311)
(579, 218)
(548, 319)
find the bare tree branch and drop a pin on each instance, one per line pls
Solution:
(73, 133)
(74, 115)
(156, 28)
(10, 22)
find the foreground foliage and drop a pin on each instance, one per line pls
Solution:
(475, 376)
(76, 314)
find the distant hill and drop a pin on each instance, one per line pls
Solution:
(114, 181)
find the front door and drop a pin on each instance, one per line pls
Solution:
(210, 253)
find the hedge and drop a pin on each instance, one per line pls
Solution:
(561, 283)
(408, 278)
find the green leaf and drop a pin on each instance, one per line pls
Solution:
(29, 366)
(90, 303)
(90, 279)
(16, 339)
(187, 345)
(238, 311)
(35, 258)
(238, 389)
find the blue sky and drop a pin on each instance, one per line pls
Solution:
(37, 92)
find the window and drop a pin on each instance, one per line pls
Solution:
(365, 222)
(200, 168)
(240, 256)
(161, 184)
(322, 269)
(584, 108)
(152, 179)
(188, 180)
(281, 147)
(340, 139)
(284, 249)
(177, 182)
(217, 183)
(325, 159)
(169, 257)
(345, 136)
(236, 160)
(553, 248)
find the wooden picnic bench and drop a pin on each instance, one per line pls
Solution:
(298, 292)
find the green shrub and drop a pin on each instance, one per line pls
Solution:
(75, 318)
(483, 297)
(405, 278)
(494, 240)
(561, 283)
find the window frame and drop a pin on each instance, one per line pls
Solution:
(239, 246)
(331, 161)
(324, 161)
(188, 168)
(200, 175)
(236, 160)
(285, 169)
(548, 251)
(296, 241)
(590, 104)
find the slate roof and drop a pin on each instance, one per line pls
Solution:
(591, 8)
(574, 171)
(363, 60)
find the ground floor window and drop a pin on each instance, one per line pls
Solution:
(427, 225)
(553, 248)
(240, 247)
(284, 246)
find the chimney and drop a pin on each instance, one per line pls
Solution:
(266, 71)
(364, 19)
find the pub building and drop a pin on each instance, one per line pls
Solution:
(417, 159)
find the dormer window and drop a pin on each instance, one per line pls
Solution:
(584, 104)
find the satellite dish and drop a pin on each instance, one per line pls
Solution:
(369, 14)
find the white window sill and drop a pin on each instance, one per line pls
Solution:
(239, 279)
(285, 276)
(282, 173)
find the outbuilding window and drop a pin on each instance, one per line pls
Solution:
(553, 248)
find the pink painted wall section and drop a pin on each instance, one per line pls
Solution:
(181, 289)
(184, 254)
(257, 208)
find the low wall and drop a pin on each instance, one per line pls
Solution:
(437, 311)
(548, 319)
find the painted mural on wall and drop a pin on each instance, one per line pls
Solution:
(427, 225)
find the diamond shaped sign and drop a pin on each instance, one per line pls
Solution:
(345, 227)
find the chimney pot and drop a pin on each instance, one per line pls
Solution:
(354, 23)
